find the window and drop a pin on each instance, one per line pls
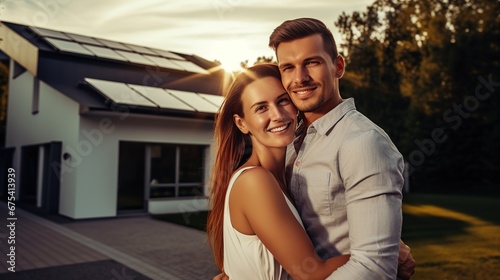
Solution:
(176, 170)
(36, 96)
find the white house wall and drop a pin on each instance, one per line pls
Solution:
(97, 179)
(89, 178)
(56, 120)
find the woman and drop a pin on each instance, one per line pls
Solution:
(253, 228)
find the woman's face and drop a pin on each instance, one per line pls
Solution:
(270, 115)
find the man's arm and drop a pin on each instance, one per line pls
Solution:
(371, 169)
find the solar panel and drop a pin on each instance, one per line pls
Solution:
(168, 54)
(191, 67)
(67, 46)
(136, 58)
(113, 44)
(162, 98)
(141, 49)
(214, 99)
(164, 62)
(85, 39)
(194, 100)
(50, 33)
(105, 52)
(120, 93)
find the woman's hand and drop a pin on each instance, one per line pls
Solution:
(221, 276)
(406, 263)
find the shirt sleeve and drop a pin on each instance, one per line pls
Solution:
(372, 172)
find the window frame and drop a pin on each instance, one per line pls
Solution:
(176, 185)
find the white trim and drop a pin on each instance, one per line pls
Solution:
(39, 183)
(19, 49)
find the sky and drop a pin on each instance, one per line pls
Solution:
(229, 31)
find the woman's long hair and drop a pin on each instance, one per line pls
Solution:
(230, 144)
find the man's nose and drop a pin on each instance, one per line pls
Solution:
(301, 75)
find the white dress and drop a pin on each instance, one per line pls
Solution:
(245, 256)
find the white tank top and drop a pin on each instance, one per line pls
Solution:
(245, 256)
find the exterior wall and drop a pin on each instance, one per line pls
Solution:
(56, 120)
(89, 178)
(97, 180)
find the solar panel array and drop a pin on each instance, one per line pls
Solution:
(106, 49)
(138, 95)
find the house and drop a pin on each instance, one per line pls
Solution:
(99, 128)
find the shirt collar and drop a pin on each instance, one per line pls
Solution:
(325, 124)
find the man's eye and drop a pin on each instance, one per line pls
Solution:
(284, 101)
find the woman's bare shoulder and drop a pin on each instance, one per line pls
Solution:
(255, 180)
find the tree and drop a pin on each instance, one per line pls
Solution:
(260, 59)
(414, 67)
(4, 79)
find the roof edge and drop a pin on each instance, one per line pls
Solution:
(19, 49)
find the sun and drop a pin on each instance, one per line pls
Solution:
(232, 53)
(231, 65)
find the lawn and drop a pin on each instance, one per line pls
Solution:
(452, 237)
(197, 220)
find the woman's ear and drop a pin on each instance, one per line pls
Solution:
(238, 121)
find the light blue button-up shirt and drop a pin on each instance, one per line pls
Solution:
(346, 182)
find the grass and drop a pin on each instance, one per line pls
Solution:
(452, 237)
(197, 220)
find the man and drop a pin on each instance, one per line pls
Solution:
(345, 174)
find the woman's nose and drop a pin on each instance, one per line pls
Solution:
(277, 113)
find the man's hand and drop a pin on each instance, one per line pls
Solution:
(406, 263)
(221, 276)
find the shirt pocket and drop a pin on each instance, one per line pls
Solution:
(316, 192)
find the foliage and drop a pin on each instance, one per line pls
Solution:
(196, 220)
(260, 59)
(421, 68)
(4, 79)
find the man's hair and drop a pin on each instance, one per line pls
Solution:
(302, 27)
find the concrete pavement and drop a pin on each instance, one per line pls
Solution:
(136, 248)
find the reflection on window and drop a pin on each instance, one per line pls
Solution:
(162, 192)
(163, 164)
(191, 191)
(190, 170)
(176, 170)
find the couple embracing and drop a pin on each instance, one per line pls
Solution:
(303, 186)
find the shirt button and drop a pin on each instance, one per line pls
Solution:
(297, 163)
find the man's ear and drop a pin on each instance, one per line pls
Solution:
(340, 67)
(238, 121)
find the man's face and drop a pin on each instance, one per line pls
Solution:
(309, 75)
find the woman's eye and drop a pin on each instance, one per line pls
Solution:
(260, 108)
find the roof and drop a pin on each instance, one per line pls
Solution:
(101, 74)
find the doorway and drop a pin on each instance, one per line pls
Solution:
(29, 175)
(131, 194)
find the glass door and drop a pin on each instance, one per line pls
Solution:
(131, 168)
